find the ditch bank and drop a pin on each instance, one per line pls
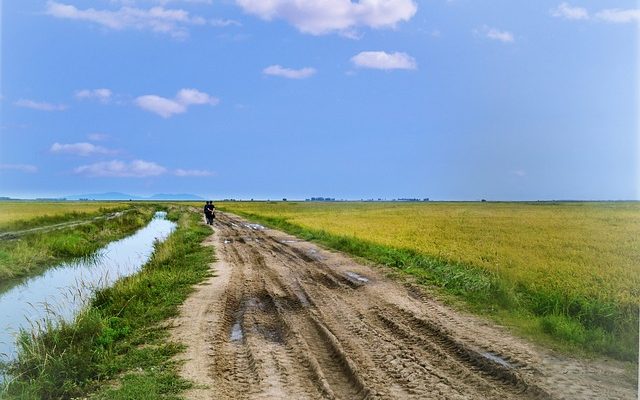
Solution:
(117, 344)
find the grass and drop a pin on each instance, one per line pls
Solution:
(118, 347)
(18, 215)
(566, 273)
(34, 251)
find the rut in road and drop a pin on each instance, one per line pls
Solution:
(285, 319)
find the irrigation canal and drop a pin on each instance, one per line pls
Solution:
(62, 290)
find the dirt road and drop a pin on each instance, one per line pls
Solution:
(285, 319)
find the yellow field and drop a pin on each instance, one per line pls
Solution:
(579, 249)
(11, 212)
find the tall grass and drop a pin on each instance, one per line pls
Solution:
(605, 324)
(117, 348)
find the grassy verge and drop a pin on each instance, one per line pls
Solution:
(571, 323)
(31, 252)
(118, 347)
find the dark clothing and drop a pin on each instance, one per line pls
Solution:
(208, 213)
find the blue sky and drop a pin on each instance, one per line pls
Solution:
(451, 100)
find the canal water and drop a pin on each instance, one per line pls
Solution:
(62, 291)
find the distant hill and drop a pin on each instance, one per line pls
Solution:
(181, 196)
(124, 196)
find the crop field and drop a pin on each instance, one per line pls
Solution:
(577, 260)
(26, 213)
(56, 231)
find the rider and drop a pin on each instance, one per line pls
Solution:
(208, 212)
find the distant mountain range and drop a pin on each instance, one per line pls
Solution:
(124, 196)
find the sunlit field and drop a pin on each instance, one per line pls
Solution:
(13, 213)
(577, 256)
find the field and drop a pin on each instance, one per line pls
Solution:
(562, 262)
(21, 214)
(53, 232)
(307, 318)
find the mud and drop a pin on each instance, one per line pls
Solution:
(283, 318)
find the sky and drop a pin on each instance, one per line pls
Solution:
(439, 99)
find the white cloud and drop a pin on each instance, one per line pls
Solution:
(618, 16)
(121, 169)
(156, 19)
(28, 168)
(496, 34)
(192, 172)
(98, 137)
(169, 107)
(612, 15)
(383, 60)
(519, 172)
(278, 70)
(42, 106)
(221, 23)
(188, 97)
(102, 95)
(162, 106)
(329, 16)
(566, 11)
(81, 149)
(162, 2)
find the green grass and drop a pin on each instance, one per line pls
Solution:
(567, 321)
(18, 215)
(118, 347)
(31, 252)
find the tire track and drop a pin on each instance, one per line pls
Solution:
(299, 322)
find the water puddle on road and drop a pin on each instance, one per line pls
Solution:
(62, 291)
(356, 277)
(255, 227)
(497, 360)
(236, 332)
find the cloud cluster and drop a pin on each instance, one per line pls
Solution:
(97, 136)
(495, 34)
(278, 70)
(121, 169)
(612, 15)
(102, 95)
(81, 149)
(166, 108)
(41, 106)
(330, 16)
(383, 60)
(156, 19)
(134, 169)
(192, 172)
(565, 10)
(28, 168)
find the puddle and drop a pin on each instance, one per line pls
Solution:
(357, 277)
(236, 332)
(255, 227)
(497, 360)
(62, 291)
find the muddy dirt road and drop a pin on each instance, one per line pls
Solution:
(285, 319)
